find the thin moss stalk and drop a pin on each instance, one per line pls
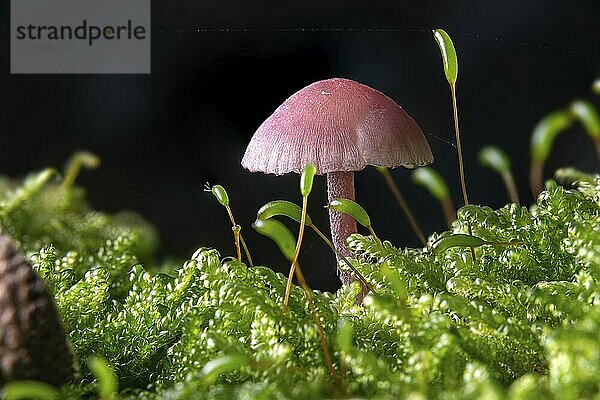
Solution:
(391, 184)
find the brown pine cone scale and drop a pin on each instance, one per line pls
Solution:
(33, 342)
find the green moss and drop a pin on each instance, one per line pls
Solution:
(521, 322)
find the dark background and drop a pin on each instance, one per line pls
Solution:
(219, 68)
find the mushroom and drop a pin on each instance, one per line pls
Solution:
(340, 126)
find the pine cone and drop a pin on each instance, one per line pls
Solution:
(33, 343)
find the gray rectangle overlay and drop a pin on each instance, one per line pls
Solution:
(80, 37)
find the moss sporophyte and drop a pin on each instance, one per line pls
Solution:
(450, 61)
(85, 313)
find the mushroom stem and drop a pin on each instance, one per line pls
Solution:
(341, 185)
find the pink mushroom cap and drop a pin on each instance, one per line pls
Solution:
(337, 125)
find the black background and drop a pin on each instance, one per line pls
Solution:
(219, 68)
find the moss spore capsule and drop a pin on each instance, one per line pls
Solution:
(221, 194)
(431, 180)
(278, 233)
(596, 86)
(542, 140)
(351, 208)
(449, 57)
(456, 240)
(546, 132)
(282, 208)
(306, 179)
(587, 114)
(495, 158)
